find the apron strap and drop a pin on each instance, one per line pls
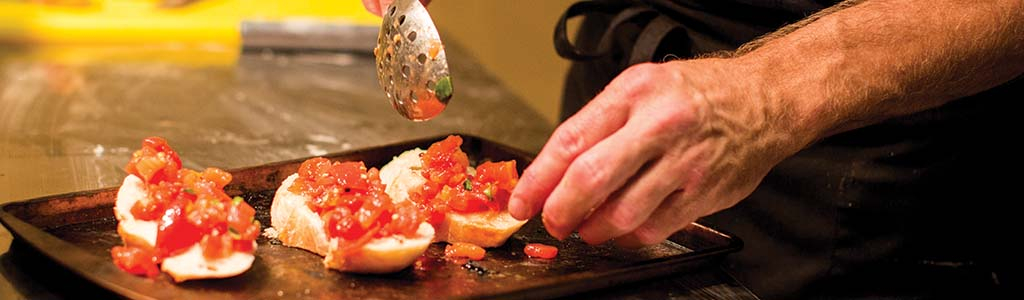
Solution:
(657, 27)
(650, 38)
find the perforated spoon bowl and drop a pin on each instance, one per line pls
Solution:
(411, 64)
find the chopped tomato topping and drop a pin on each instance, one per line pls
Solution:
(175, 233)
(350, 199)
(450, 188)
(189, 206)
(427, 105)
(434, 49)
(216, 245)
(464, 250)
(135, 260)
(540, 250)
(155, 161)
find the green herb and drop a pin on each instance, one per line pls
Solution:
(468, 185)
(490, 194)
(236, 200)
(234, 234)
(190, 191)
(443, 89)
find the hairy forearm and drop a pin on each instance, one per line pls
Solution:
(875, 59)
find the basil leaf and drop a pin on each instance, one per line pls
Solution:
(489, 193)
(443, 89)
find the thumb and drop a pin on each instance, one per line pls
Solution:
(372, 6)
(377, 6)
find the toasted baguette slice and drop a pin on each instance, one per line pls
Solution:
(133, 232)
(298, 226)
(187, 265)
(484, 229)
(402, 174)
(191, 264)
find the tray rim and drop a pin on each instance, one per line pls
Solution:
(43, 242)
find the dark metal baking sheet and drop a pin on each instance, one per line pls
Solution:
(77, 231)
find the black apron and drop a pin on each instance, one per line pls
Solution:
(916, 206)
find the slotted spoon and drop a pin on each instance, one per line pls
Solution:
(411, 64)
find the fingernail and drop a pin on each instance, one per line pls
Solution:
(553, 230)
(515, 208)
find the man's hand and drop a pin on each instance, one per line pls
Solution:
(662, 145)
(376, 6)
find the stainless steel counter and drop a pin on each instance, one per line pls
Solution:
(70, 118)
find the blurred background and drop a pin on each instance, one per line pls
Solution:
(511, 39)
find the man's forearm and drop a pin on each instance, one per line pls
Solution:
(884, 58)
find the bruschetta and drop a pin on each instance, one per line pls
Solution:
(465, 204)
(339, 210)
(180, 220)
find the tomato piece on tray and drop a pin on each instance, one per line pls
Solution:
(464, 250)
(135, 260)
(537, 250)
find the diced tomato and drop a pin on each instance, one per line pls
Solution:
(147, 209)
(464, 250)
(242, 246)
(219, 177)
(339, 222)
(405, 219)
(135, 260)
(216, 245)
(205, 213)
(240, 216)
(503, 174)
(149, 166)
(351, 201)
(175, 233)
(155, 162)
(427, 105)
(540, 250)
(469, 201)
(250, 233)
(449, 187)
(444, 162)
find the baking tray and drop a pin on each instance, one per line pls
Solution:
(77, 230)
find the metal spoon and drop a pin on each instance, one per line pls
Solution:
(411, 63)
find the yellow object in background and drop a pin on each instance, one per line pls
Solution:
(131, 22)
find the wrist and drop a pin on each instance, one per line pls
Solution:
(791, 120)
(742, 91)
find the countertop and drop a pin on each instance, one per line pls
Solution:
(71, 116)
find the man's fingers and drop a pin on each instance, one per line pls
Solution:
(377, 6)
(372, 6)
(593, 123)
(634, 204)
(672, 215)
(591, 177)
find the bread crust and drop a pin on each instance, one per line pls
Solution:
(485, 229)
